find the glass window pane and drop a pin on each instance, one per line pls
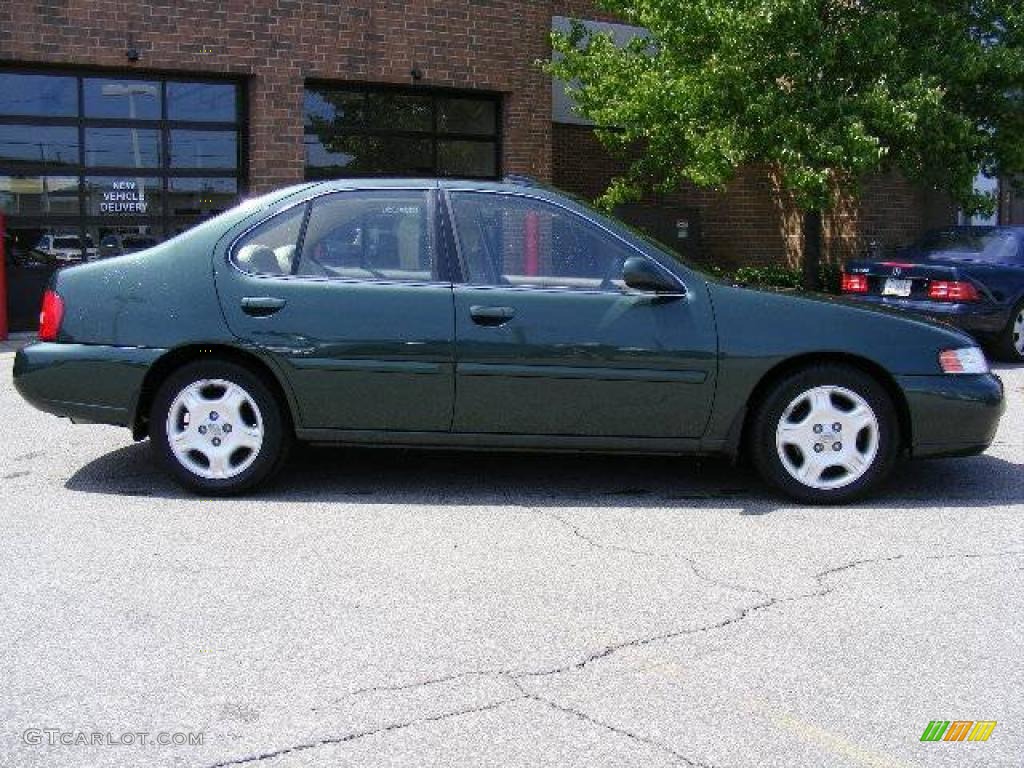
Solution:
(34, 195)
(46, 95)
(201, 197)
(52, 146)
(204, 149)
(507, 240)
(353, 155)
(467, 116)
(122, 147)
(324, 157)
(123, 236)
(397, 111)
(327, 107)
(372, 235)
(202, 102)
(116, 197)
(61, 244)
(467, 158)
(270, 248)
(131, 99)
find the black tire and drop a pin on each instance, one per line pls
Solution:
(1007, 344)
(767, 455)
(268, 417)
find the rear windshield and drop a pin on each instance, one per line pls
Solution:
(972, 245)
(66, 242)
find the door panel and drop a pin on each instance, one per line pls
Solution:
(548, 341)
(583, 364)
(360, 354)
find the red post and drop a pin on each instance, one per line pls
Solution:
(531, 235)
(3, 278)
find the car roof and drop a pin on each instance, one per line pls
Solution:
(508, 184)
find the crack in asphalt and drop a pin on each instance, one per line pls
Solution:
(692, 562)
(348, 737)
(580, 715)
(517, 677)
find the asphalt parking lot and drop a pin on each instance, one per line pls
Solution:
(419, 609)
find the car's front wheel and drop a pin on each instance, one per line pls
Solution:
(218, 428)
(826, 434)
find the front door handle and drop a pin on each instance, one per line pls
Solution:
(491, 315)
(261, 306)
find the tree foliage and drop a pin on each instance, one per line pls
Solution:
(823, 91)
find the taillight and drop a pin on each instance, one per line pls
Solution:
(51, 315)
(952, 290)
(854, 283)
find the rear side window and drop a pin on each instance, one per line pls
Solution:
(524, 242)
(270, 248)
(379, 234)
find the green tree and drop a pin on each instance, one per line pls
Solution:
(820, 91)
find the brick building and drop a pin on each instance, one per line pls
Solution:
(123, 122)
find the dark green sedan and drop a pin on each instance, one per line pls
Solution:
(488, 316)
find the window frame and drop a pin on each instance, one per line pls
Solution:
(439, 267)
(435, 136)
(462, 278)
(165, 220)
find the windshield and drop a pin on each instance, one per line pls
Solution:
(66, 242)
(971, 245)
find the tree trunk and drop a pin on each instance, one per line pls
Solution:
(812, 250)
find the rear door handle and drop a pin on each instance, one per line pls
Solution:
(261, 306)
(491, 315)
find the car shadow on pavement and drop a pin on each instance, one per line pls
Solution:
(435, 478)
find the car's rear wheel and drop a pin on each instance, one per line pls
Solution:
(218, 428)
(826, 434)
(1010, 344)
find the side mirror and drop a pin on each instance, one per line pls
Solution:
(643, 275)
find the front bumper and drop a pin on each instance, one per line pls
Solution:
(977, 318)
(87, 383)
(953, 415)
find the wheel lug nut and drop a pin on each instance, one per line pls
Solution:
(213, 416)
(226, 428)
(216, 442)
(818, 429)
(818, 447)
(202, 429)
(837, 446)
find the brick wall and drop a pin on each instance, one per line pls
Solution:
(753, 221)
(277, 44)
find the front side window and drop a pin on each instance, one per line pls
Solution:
(381, 235)
(519, 241)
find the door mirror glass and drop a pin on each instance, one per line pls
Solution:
(643, 275)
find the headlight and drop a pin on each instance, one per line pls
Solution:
(966, 360)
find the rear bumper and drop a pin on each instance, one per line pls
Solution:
(974, 317)
(953, 415)
(86, 383)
